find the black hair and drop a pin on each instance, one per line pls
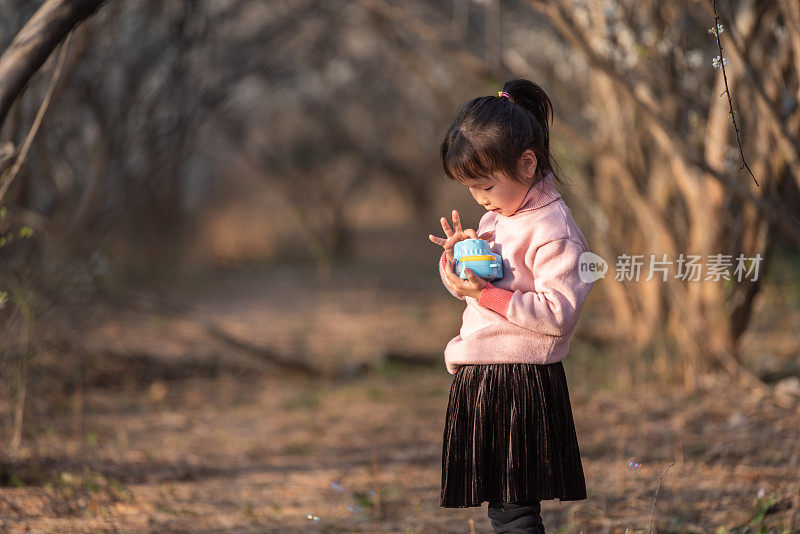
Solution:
(490, 133)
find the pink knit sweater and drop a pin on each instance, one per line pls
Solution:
(529, 315)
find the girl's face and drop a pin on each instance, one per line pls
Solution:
(498, 193)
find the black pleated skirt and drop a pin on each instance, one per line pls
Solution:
(509, 436)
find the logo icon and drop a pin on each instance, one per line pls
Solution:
(591, 267)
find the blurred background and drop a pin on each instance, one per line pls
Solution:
(219, 308)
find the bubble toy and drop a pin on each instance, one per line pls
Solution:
(476, 255)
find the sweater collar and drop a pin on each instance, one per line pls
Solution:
(539, 194)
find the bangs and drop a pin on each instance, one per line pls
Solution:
(463, 162)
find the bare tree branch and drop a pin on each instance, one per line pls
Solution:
(786, 141)
(26, 145)
(35, 42)
(728, 92)
(639, 95)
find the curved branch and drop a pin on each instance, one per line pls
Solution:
(34, 43)
(26, 145)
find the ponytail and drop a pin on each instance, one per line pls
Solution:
(490, 133)
(533, 98)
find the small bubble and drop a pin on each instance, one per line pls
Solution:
(354, 508)
(337, 486)
(312, 517)
(633, 464)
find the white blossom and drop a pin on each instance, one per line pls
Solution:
(716, 31)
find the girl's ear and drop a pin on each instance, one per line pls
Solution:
(528, 164)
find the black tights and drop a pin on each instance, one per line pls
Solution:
(516, 518)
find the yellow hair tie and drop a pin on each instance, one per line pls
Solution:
(503, 93)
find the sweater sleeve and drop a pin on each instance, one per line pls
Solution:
(442, 267)
(553, 309)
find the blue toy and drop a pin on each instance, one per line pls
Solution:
(476, 254)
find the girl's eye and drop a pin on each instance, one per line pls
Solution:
(488, 188)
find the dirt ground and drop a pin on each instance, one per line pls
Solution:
(196, 417)
(266, 453)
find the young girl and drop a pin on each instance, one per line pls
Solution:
(509, 436)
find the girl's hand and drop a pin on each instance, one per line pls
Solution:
(471, 287)
(454, 236)
(474, 284)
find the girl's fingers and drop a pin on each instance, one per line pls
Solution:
(470, 276)
(449, 280)
(437, 240)
(459, 284)
(457, 233)
(446, 227)
(453, 278)
(475, 280)
(457, 222)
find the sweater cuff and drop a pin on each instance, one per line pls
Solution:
(495, 298)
